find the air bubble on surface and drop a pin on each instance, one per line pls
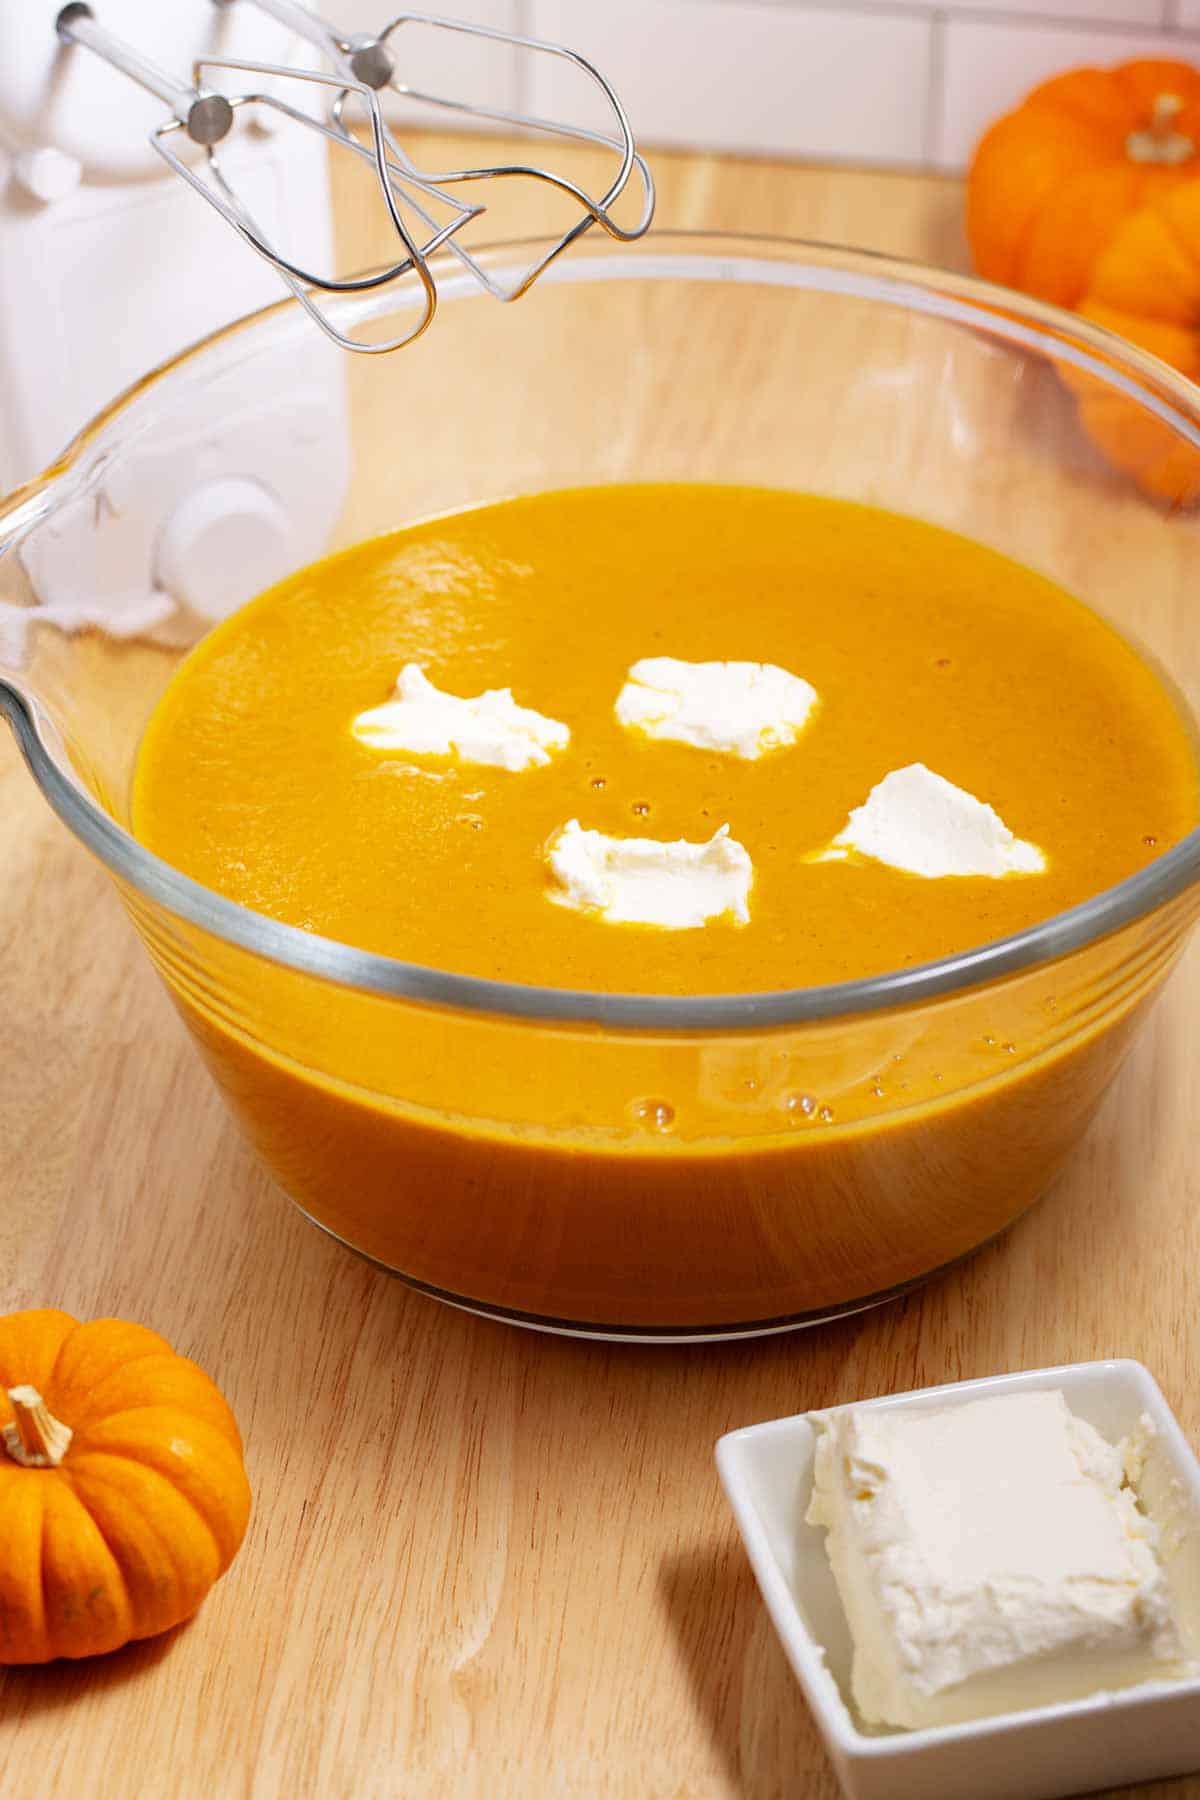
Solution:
(658, 1115)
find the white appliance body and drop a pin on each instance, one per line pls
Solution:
(109, 264)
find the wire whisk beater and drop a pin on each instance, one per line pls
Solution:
(428, 209)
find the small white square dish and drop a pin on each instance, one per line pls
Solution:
(1134, 1734)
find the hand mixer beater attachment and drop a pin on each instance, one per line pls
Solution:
(421, 204)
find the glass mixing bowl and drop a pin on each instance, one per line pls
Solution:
(617, 1164)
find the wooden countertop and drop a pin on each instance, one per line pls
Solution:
(482, 1561)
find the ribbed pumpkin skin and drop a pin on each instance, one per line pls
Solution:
(148, 1507)
(1051, 182)
(1146, 287)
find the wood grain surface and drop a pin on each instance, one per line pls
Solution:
(484, 1562)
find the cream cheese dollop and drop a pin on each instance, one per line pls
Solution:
(989, 1556)
(920, 822)
(678, 885)
(741, 709)
(489, 728)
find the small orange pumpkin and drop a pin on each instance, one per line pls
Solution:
(1146, 287)
(123, 1494)
(1051, 182)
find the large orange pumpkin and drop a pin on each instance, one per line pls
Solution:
(122, 1491)
(1146, 287)
(1052, 182)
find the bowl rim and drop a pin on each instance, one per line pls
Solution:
(662, 254)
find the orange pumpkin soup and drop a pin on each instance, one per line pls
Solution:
(681, 1181)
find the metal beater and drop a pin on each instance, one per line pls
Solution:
(424, 211)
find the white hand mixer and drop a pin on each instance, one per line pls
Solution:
(106, 270)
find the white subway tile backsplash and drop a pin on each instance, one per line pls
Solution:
(782, 79)
(851, 80)
(1148, 13)
(988, 66)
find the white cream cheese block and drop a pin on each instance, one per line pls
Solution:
(678, 885)
(489, 728)
(741, 709)
(989, 1557)
(920, 822)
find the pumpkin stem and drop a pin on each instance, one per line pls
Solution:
(35, 1439)
(1160, 142)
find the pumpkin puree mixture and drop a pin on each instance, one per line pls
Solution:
(923, 647)
(661, 1180)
